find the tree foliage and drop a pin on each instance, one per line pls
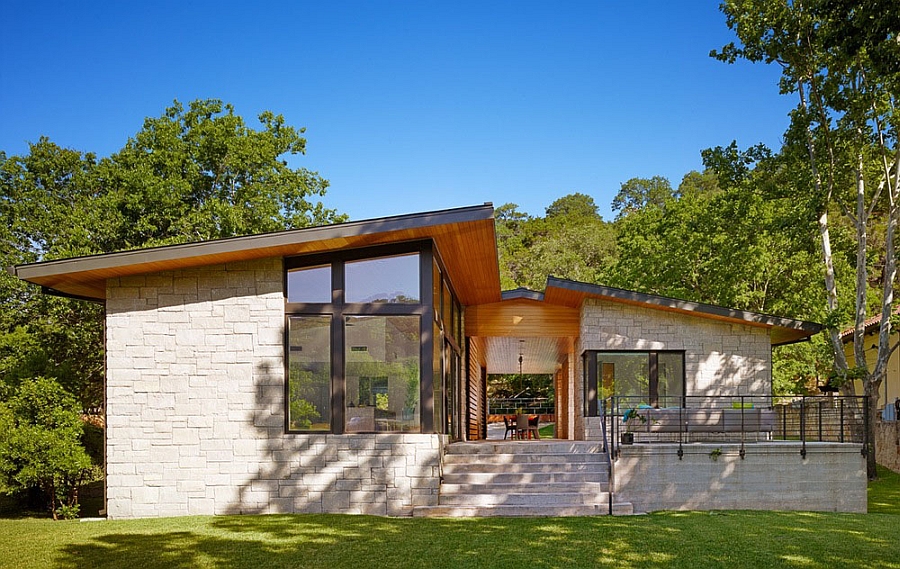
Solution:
(196, 172)
(571, 242)
(40, 445)
(841, 60)
(639, 193)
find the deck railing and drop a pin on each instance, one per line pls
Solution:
(515, 405)
(736, 419)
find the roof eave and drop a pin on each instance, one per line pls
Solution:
(792, 330)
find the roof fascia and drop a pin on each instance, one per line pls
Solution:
(260, 241)
(699, 308)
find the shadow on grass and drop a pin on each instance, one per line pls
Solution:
(690, 539)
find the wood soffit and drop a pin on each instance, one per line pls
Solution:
(464, 236)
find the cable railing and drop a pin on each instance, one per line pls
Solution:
(519, 405)
(736, 419)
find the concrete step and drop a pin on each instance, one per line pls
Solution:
(583, 487)
(530, 499)
(522, 477)
(523, 467)
(523, 457)
(525, 447)
(517, 511)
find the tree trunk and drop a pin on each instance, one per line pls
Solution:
(871, 390)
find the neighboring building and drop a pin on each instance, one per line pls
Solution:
(332, 369)
(890, 388)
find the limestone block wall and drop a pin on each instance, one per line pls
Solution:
(771, 476)
(195, 409)
(720, 358)
(887, 444)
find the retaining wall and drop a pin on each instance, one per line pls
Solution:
(887, 444)
(771, 476)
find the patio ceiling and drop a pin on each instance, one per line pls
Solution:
(539, 355)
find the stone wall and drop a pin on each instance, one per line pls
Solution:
(772, 476)
(195, 409)
(887, 444)
(720, 358)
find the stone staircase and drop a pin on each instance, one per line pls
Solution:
(524, 478)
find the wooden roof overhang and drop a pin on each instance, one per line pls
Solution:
(465, 238)
(782, 330)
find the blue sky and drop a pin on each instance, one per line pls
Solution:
(409, 106)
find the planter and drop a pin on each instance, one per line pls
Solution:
(627, 438)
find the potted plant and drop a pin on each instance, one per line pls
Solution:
(631, 417)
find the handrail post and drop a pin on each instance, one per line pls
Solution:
(803, 426)
(784, 411)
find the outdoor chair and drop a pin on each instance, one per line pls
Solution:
(526, 426)
(510, 428)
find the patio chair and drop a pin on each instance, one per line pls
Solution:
(510, 428)
(526, 426)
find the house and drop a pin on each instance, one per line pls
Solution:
(890, 388)
(343, 369)
(887, 426)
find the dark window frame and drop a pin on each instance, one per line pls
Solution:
(338, 310)
(592, 377)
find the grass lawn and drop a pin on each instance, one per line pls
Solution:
(666, 539)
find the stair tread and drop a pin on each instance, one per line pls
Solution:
(524, 478)
(516, 511)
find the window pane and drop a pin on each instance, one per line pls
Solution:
(387, 279)
(382, 374)
(628, 374)
(309, 284)
(309, 373)
(436, 292)
(671, 379)
(438, 383)
(446, 306)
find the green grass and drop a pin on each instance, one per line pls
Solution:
(547, 431)
(665, 539)
(884, 493)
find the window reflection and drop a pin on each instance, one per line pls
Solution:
(309, 284)
(309, 373)
(382, 374)
(386, 279)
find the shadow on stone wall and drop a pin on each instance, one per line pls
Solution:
(380, 474)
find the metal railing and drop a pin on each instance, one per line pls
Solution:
(513, 406)
(736, 419)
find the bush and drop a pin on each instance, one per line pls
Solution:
(40, 445)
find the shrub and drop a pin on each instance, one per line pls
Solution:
(40, 445)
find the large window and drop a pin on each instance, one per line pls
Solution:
(382, 374)
(360, 340)
(653, 378)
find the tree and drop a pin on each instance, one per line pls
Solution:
(839, 58)
(40, 445)
(572, 242)
(200, 173)
(196, 172)
(638, 193)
